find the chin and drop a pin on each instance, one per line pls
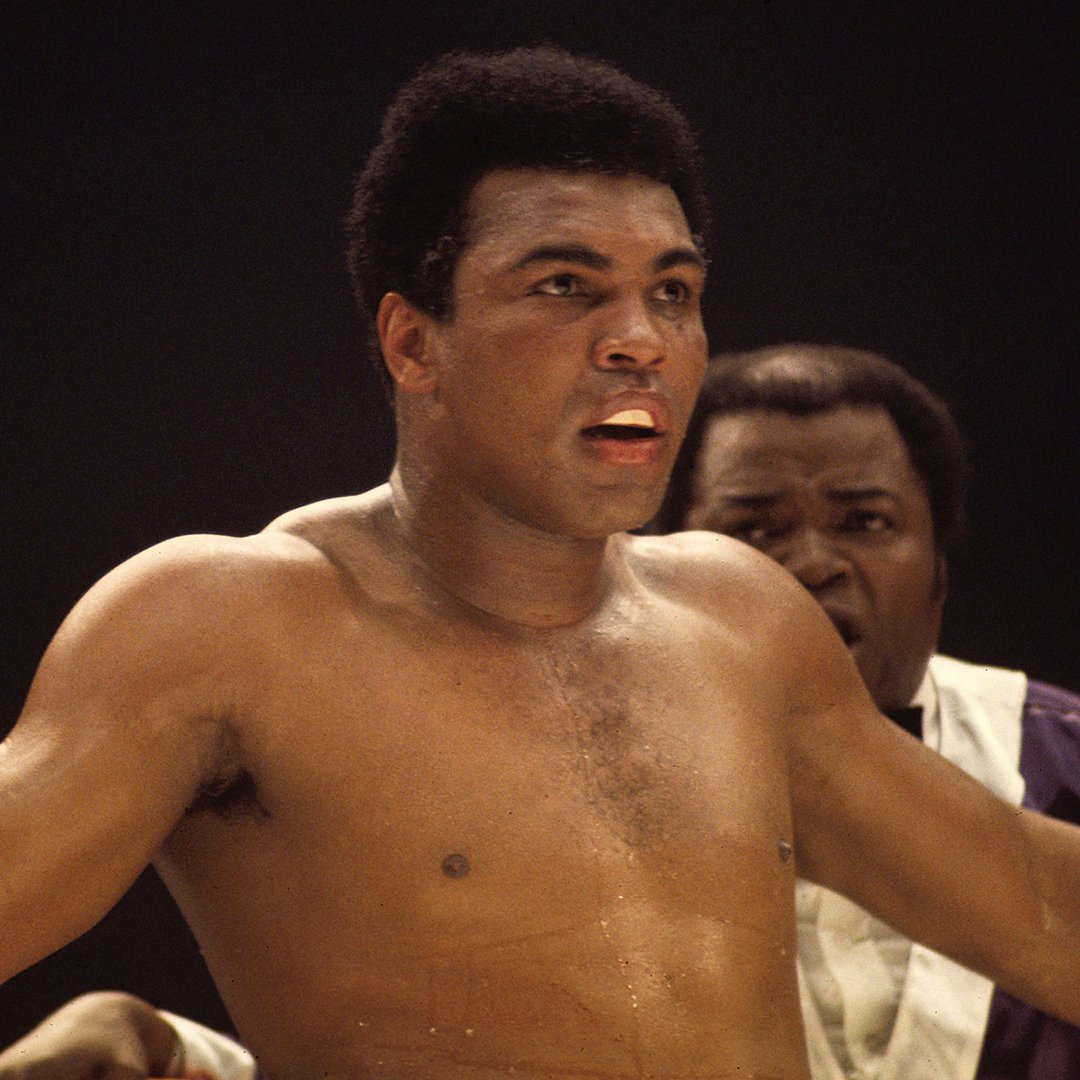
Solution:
(893, 695)
(620, 521)
(602, 530)
(631, 509)
(593, 514)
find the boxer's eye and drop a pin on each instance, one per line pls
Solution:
(561, 285)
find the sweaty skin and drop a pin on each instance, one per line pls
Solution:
(617, 889)
(450, 781)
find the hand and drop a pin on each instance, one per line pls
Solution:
(98, 1036)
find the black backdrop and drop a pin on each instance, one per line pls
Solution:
(180, 355)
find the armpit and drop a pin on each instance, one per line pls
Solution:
(229, 796)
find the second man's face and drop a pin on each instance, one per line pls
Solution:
(833, 497)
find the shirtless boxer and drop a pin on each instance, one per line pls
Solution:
(433, 771)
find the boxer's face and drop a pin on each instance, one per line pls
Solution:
(567, 372)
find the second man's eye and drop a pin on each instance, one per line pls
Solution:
(750, 532)
(869, 521)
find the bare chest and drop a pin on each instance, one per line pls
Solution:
(639, 739)
(522, 837)
(508, 751)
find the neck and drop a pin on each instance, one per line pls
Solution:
(497, 565)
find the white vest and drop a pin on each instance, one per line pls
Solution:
(876, 1006)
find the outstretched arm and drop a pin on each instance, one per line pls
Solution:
(123, 723)
(886, 821)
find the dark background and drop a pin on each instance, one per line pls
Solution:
(180, 354)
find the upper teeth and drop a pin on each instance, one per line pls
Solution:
(631, 418)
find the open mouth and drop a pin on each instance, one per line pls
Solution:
(618, 431)
(626, 425)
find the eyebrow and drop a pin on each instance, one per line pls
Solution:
(759, 500)
(857, 494)
(588, 257)
(752, 501)
(680, 256)
(571, 253)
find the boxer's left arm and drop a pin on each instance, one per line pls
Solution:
(897, 828)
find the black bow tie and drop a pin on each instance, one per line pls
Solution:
(910, 719)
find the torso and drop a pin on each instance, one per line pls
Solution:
(465, 850)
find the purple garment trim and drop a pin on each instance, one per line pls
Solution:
(1021, 1042)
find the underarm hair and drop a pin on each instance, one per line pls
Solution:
(230, 788)
(229, 796)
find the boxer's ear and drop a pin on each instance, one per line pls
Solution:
(405, 337)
